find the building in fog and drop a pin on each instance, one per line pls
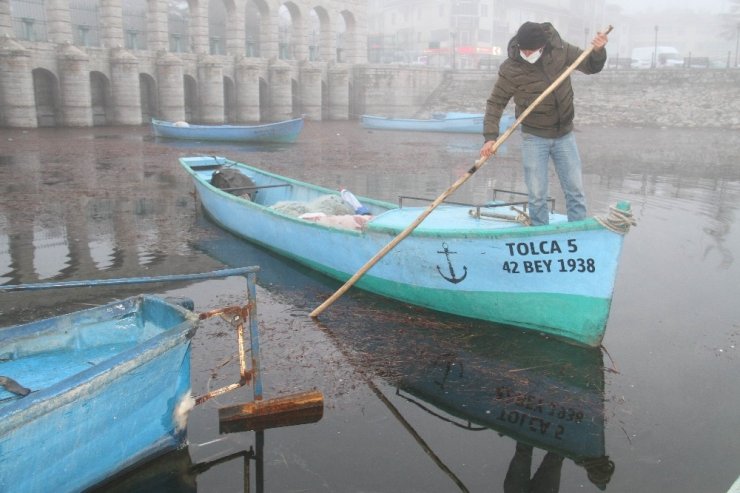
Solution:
(465, 33)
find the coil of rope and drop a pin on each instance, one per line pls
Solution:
(617, 220)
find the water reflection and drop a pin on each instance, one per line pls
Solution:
(115, 207)
(475, 376)
(87, 234)
(220, 148)
(540, 393)
(178, 471)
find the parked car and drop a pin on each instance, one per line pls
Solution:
(665, 57)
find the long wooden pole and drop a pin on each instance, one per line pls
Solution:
(478, 164)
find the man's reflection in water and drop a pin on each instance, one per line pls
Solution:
(545, 480)
(547, 477)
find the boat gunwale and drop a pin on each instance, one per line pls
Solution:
(169, 124)
(588, 224)
(422, 120)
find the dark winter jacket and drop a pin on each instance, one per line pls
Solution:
(525, 81)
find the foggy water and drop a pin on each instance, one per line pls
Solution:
(413, 400)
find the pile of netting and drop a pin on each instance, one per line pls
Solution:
(331, 205)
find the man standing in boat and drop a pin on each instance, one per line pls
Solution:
(537, 56)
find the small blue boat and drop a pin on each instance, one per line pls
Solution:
(86, 395)
(286, 131)
(475, 261)
(106, 386)
(453, 122)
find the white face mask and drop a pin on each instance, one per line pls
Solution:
(533, 57)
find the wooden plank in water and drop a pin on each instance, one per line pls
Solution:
(294, 409)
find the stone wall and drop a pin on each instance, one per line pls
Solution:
(394, 91)
(643, 98)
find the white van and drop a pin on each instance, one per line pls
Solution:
(667, 57)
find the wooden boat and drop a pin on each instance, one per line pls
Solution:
(454, 122)
(107, 389)
(286, 131)
(473, 261)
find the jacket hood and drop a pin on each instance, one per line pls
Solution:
(553, 40)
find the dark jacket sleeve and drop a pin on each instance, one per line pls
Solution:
(502, 92)
(593, 63)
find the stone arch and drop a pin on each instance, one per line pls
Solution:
(324, 100)
(295, 99)
(178, 26)
(234, 28)
(229, 100)
(264, 98)
(257, 28)
(348, 47)
(353, 104)
(29, 20)
(319, 35)
(219, 13)
(191, 98)
(291, 41)
(148, 97)
(46, 96)
(134, 15)
(100, 98)
(85, 21)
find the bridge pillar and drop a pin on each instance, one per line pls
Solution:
(211, 89)
(311, 91)
(16, 86)
(125, 88)
(338, 93)
(281, 91)
(247, 90)
(74, 82)
(171, 88)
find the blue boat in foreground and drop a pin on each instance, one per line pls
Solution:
(286, 131)
(475, 261)
(453, 122)
(105, 384)
(86, 395)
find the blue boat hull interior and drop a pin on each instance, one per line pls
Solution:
(105, 384)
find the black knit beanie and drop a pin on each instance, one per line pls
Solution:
(531, 36)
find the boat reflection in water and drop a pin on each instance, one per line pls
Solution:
(178, 471)
(544, 394)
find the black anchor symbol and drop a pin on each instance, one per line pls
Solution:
(453, 279)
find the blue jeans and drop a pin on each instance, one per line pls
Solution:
(536, 154)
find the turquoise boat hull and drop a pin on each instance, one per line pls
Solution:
(279, 132)
(557, 279)
(469, 123)
(105, 386)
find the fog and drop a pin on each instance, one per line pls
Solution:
(707, 6)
